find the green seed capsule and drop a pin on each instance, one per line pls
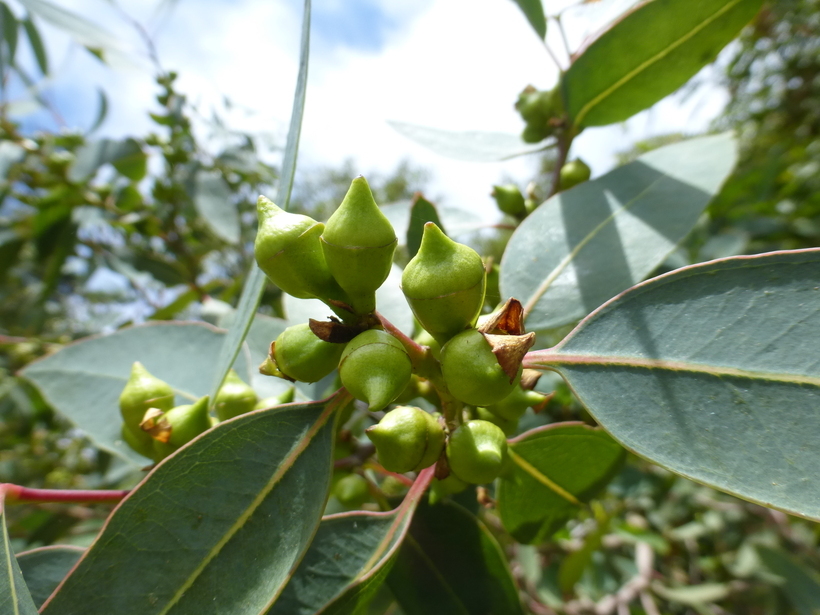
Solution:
(508, 426)
(516, 403)
(476, 452)
(509, 199)
(276, 400)
(141, 392)
(375, 368)
(472, 372)
(171, 430)
(235, 397)
(352, 491)
(407, 439)
(444, 284)
(302, 356)
(573, 173)
(289, 251)
(358, 243)
(144, 447)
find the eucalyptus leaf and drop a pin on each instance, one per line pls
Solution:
(556, 469)
(422, 211)
(583, 246)
(647, 54)
(44, 568)
(212, 199)
(83, 381)
(9, 29)
(37, 46)
(693, 595)
(85, 32)
(472, 146)
(216, 527)
(102, 110)
(711, 371)
(798, 582)
(127, 156)
(534, 12)
(15, 598)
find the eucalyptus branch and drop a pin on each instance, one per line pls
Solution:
(18, 494)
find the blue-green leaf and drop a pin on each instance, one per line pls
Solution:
(15, 598)
(44, 568)
(212, 199)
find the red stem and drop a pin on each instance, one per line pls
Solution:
(16, 493)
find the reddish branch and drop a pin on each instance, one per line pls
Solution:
(16, 493)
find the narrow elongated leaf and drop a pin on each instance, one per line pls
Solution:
(451, 563)
(349, 558)
(9, 32)
(126, 156)
(534, 12)
(36, 45)
(713, 372)
(472, 146)
(255, 282)
(44, 568)
(422, 211)
(800, 586)
(83, 381)
(556, 469)
(585, 245)
(212, 199)
(15, 598)
(215, 528)
(81, 29)
(102, 110)
(647, 54)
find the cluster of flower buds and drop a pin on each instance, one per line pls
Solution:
(541, 110)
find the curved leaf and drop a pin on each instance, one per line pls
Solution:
(83, 381)
(422, 211)
(534, 12)
(44, 568)
(711, 371)
(82, 30)
(451, 563)
(556, 468)
(126, 156)
(472, 146)
(584, 245)
(218, 526)
(36, 43)
(9, 29)
(15, 598)
(212, 199)
(647, 54)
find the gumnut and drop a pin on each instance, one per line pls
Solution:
(141, 392)
(352, 491)
(299, 355)
(407, 439)
(444, 284)
(509, 199)
(276, 400)
(573, 173)
(508, 426)
(375, 368)
(447, 486)
(142, 446)
(476, 452)
(516, 403)
(176, 427)
(235, 397)
(539, 109)
(289, 251)
(358, 244)
(473, 372)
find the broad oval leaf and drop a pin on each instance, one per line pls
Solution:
(583, 246)
(451, 563)
(83, 381)
(472, 146)
(44, 568)
(713, 372)
(215, 528)
(647, 54)
(349, 559)
(556, 468)
(212, 199)
(15, 598)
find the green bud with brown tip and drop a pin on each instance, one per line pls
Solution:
(235, 397)
(176, 427)
(300, 355)
(288, 250)
(573, 173)
(375, 368)
(509, 200)
(407, 439)
(477, 451)
(358, 243)
(444, 284)
(143, 391)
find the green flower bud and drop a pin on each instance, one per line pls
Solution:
(358, 243)
(141, 392)
(407, 439)
(573, 173)
(235, 397)
(476, 452)
(537, 108)
(516, 403)
(302, 356)
(375, 368)
(288, 250)
(444, 284)
(442, 488)
(509, 199)
(276, 400)
(352, 491)
(176, 427)
(508, 426)
(144, 447)
(472, 371)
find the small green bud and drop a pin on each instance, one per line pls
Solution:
(508, 426)
(537, 108)
(352, 491)
(139, 445)
(176, 427)
(302, 356)
(235, 397)
(358, 243)
(141, 392)
(444, 284)
(288, 250)
(516, 403)
(375, 368)
(407, 439)
(442, 488)
(476, 452)
(472, 371)
(276, 400)
(509, 199)
(573, 173)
